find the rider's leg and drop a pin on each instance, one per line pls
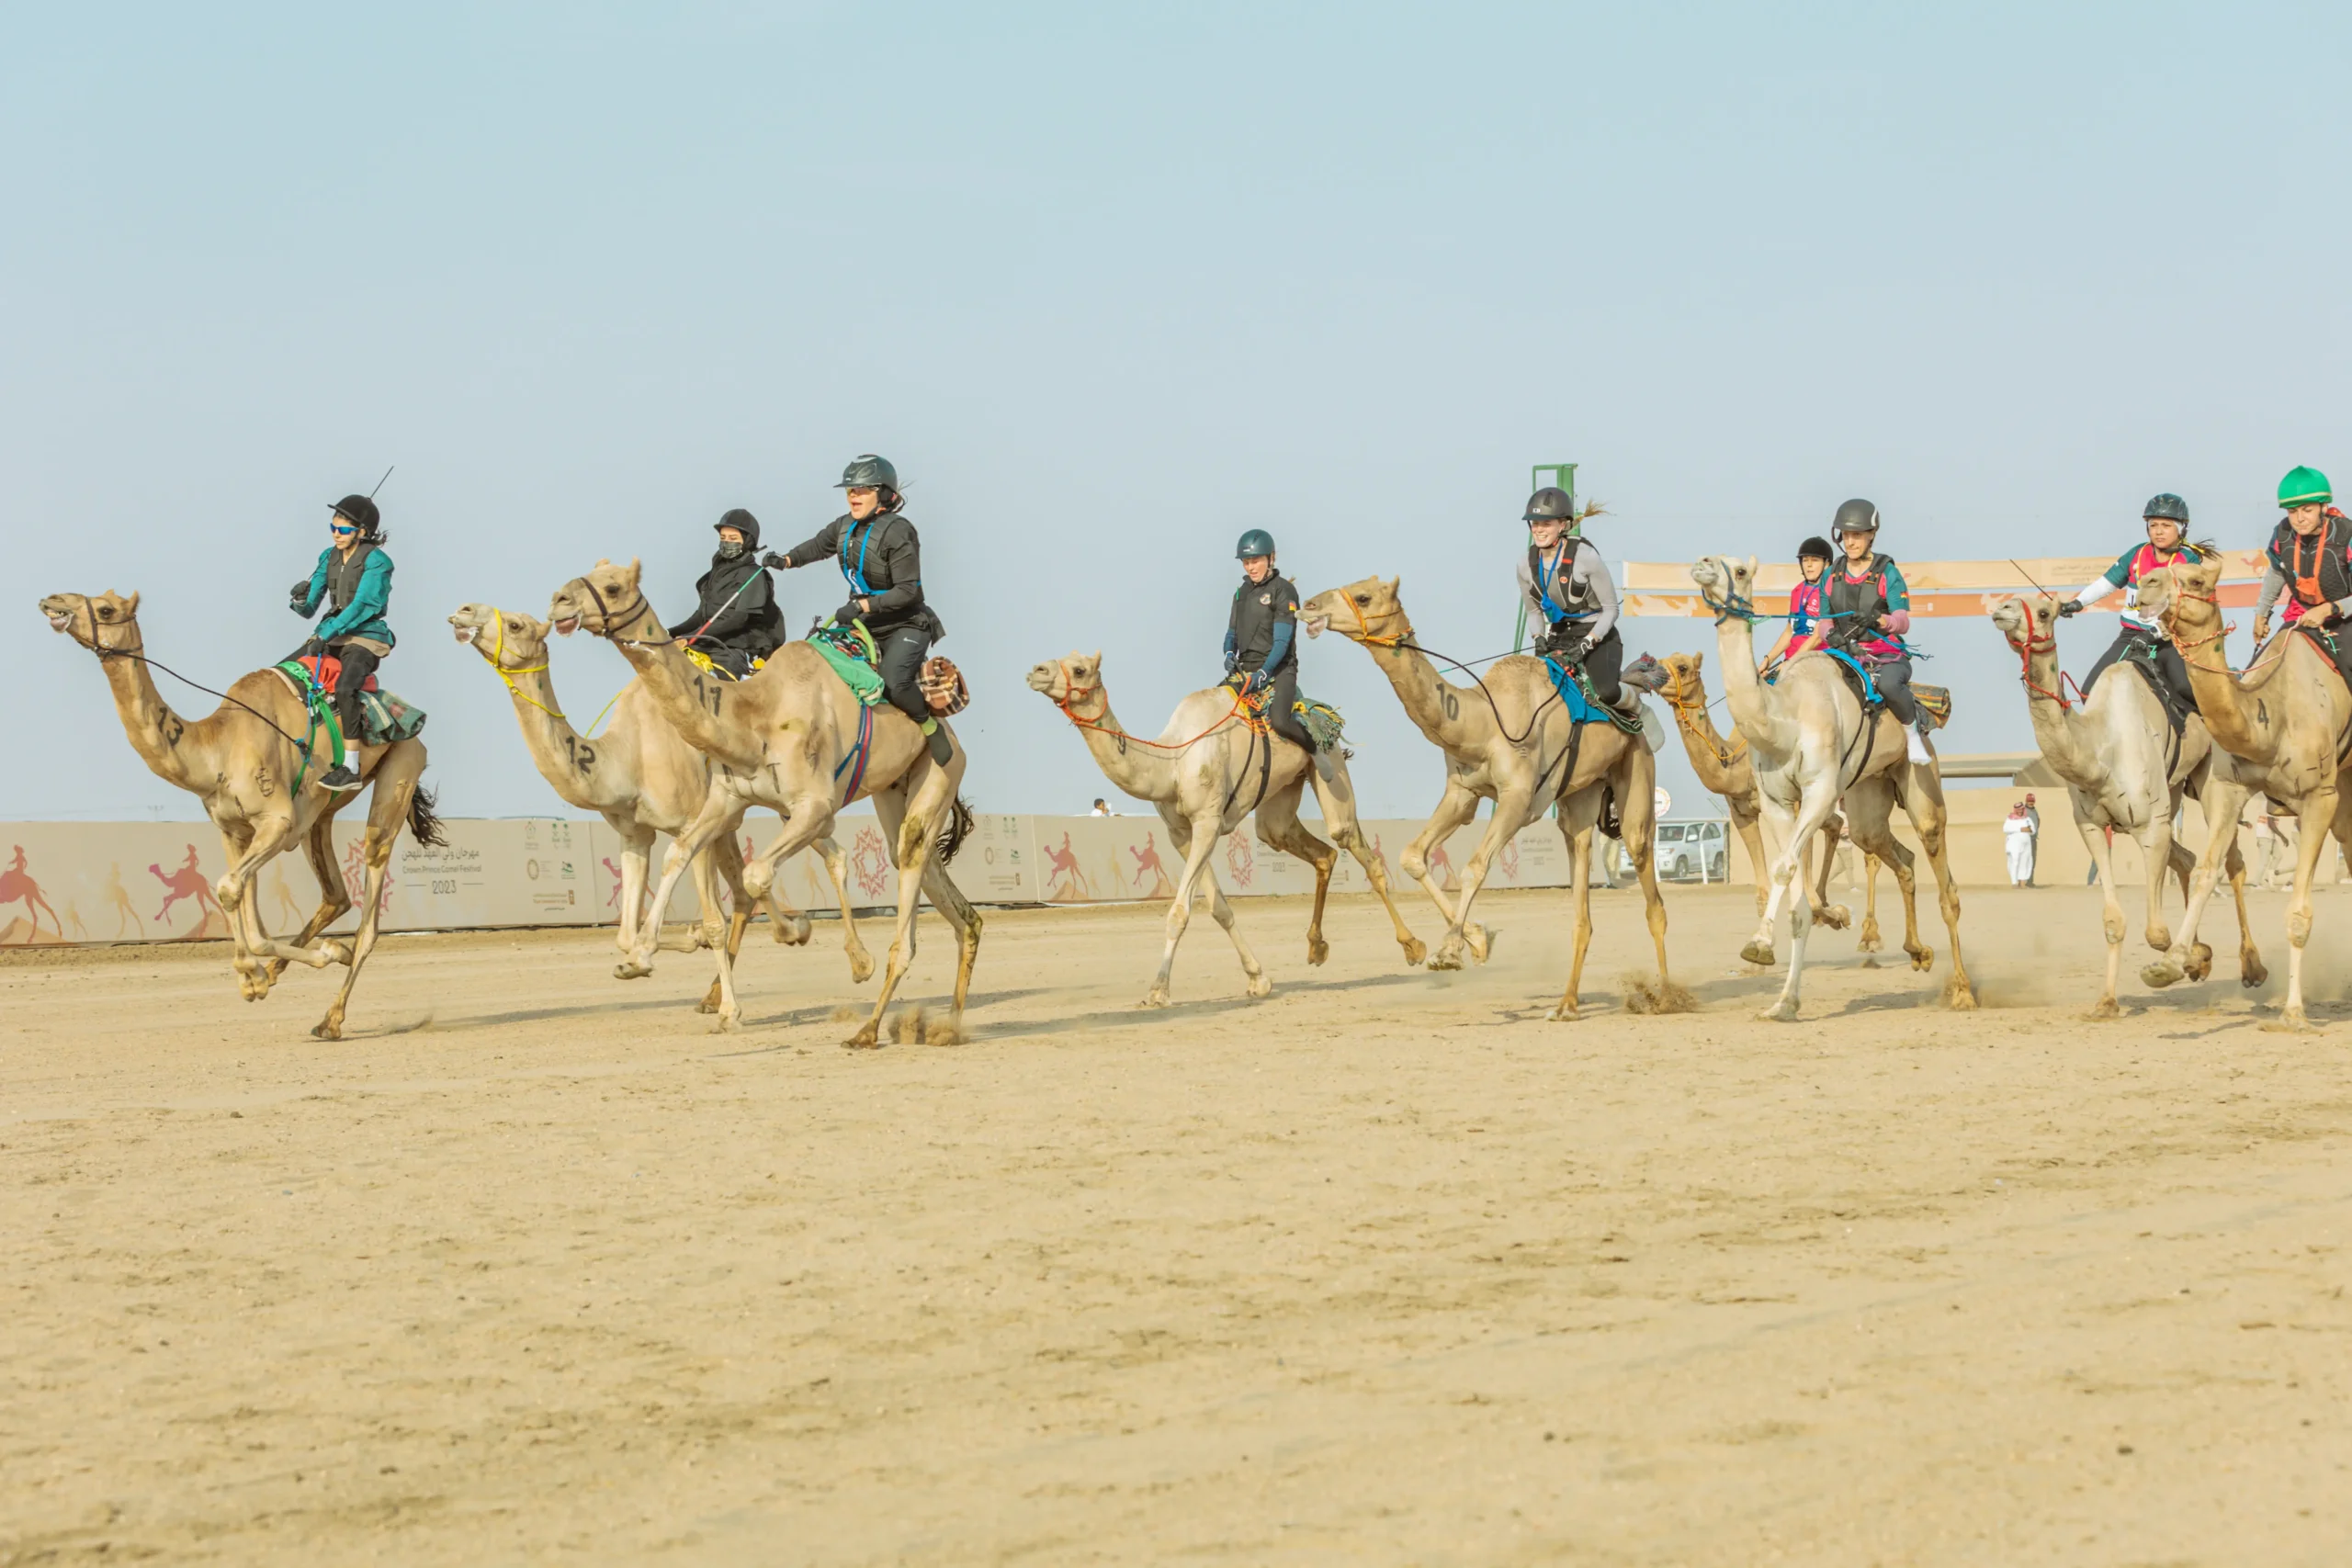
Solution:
(2174, 671)
(359, 663)
(1282, 714)
(902, 651)
(1601, 663)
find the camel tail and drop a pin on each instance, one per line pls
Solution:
(422, 822)
(959, 828)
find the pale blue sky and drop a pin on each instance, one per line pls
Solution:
(1111, 286)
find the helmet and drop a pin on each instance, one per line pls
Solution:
(744, 523)
(1854, 517)
(361, 511)
(1551, 501)
(1256, 542)
(2303, 486)
(866, 471)
(2165, 505)
(1817, 547)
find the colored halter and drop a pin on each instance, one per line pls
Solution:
(507, 672)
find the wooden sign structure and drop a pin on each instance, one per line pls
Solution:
(1939, 588)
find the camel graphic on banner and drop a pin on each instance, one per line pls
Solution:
(1063, 862)
(118, 897)
(188, 882)
(17, 886)
(1148, 859)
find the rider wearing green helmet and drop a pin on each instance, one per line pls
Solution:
(1262, 642)
(2309, 557)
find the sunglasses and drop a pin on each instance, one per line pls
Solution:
(340, 527)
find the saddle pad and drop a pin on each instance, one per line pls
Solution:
(384, 716)
(850, 651)
(327, 671)
(1575, 695)
(1935, 703)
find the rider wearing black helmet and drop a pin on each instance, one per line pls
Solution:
(1567, 586)
(737, 619)
(1805, 600)
(2166, 517)
(1868, 609)
(1261, 641)
(354, 577)
(881, 558)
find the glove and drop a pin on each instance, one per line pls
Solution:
(2071, 607)
(1870, 620)
(297, 598)
(1546, 640)
(772, 560)
(846, 614)
(1568, 647)
(1259, 680)
(313, 649)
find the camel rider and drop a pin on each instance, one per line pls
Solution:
(1567, 585)
(881, 558)
(1867, 608)
(355, 578)
(738, 619)
(1262, 642)
(2311, 559)
(1805, 599)
(2167, 520)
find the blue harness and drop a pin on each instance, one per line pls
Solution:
(856, 574)
(1870, 687)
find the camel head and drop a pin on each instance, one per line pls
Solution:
(1370, 607)
(2186, 592)
(1070, 680)
(2026, 622)
(509, 639)
(603, 600)
(106, 622)
(1652, 675)
(1722, 580)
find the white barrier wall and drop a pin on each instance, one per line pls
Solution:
(68, 882)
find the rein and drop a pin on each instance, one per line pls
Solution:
(2026, 650)
(1069, 711)
(1404, 642)
(1690, 714)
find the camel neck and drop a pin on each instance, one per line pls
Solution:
(691, 698)
(2222, 698)
(174, 751)
(1711, 757)
(1145, 772)
(2058, 730)
(564, 758)
(1436, 707)
(1752, 715)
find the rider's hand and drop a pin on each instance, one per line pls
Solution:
(2261, 630)
(2071, 607)
(846, 614)
(771, 559)
(314, 648)
(297, 598)
(1569, 647)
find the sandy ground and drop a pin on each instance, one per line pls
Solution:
(1385, 1268)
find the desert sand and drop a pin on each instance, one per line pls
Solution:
(1383, 1269)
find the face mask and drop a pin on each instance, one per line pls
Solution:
(729, 548)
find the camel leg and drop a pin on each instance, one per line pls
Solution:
(722, 860)
(2110, 914)
(2313, 811)
(1637, 813)
(1180, 835)
(721, 811)
(1744, 823)
(1278, 826)
(908, 825)
(1197, 838)
(2156, 848)
(1834, 916)
(1337, 797)
(1511, 814)
(391, 787)
(1927, 818)
(786, 925)
(949, 900)
(1459, 806)
(637, 853)
(1869, 940)
(861, 963)
(1794, 827)
(334, 898)
(1576, 815)
(246, 938)
(2221, 800)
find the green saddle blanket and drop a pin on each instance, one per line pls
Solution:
(850, 651)
(1323, 722)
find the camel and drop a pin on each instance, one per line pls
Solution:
(1510, 739)
(642, 778)
(17, 886)
(2117, 755)
(1207, 785)
(1811, 742)
(1726, 769)
(2287, 722)
(793, 738)
(243, 760)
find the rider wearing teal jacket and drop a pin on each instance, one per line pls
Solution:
(354, 578)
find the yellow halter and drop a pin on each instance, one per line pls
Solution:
(498, 665)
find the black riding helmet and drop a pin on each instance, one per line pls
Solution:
(361, 512)
(1817, 547)
(742, 522)
(1854, 517)
(1548, 502)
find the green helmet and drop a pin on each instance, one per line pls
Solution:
(1256, 542)
(2302, 487)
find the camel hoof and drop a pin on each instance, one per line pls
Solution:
(1414, 952)
(1448, 957)
(861, 968)
(707, 1004)
(1481, 940)
(2251, 972)
(2200, 963)
(1258, 986)
(2290, 1022)
(1154, 997)
(2104, 1010)
(631, 971)
(337, 951)
(327, 1028)
(1922, 958)
(1565, 1013)
(1959, 995)
(1757, 951)
(796, 933)
(1836, 916)
(1318, 951)
(865, 1039)
(1782, 1011)
(1868, 940)
(2156, 976)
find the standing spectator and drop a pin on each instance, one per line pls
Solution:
(2033, 815)
(1100, 808)
(2291, 849)
(2016, 836)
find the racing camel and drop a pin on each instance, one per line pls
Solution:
(1207, 785)
(1813, 742)
(2288, 723)
(642, 778)
(2126, 769)
(793, 738)
(1508, 740)
(243, 760)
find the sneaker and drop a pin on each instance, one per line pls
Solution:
(339, 780)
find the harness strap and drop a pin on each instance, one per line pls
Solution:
(498, 664)
(857, 753)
